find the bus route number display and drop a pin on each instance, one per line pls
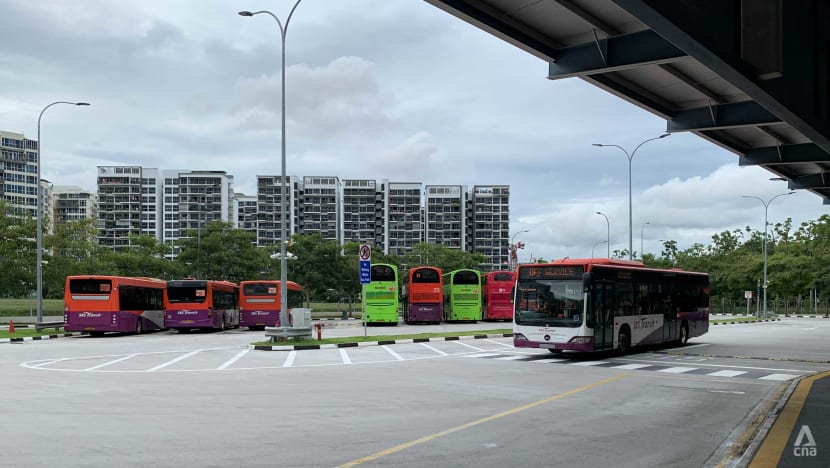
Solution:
(552, 272)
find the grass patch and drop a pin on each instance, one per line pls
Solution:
(25, 332)
(361, 338)
(28, 307)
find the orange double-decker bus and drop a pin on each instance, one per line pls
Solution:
(496, 295)
(99, 304)
(260, 302)
(425, 297)
(206, 304)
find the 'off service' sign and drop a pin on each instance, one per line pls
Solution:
(365, 255)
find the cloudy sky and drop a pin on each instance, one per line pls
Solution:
(379, 89)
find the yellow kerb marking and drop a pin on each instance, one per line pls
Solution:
(773, 446)
(477, 422)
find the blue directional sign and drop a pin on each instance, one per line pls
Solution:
(365, 271)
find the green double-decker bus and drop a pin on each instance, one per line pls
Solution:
(380, 295)
(462, 296)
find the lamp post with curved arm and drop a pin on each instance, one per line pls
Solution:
(608, 236)
(284, 189)
(630, 209)
(766, 209)
(39, 214)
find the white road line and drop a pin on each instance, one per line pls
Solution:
(677, 370)
(812, 328)
(171, 362)
(230, 361)
(589, 363)
(289, 361)
(726, 373)
(469, 346)
(482, 355)
(631, 366)
(499, 343)
(511, 358)
(548, 360)
(109, 363)
(344, 356)
(696, 345)
(729, 366)
(434, 349)
(778, 377)
(46, 363)
(394, 354)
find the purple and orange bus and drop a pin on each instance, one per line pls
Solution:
(425, 303)
(205, 304)
(99, 304)
(260, 300)
(607, 304)
(497, 295)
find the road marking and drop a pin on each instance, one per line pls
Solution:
(677, 370)
(289, 360)
(393, 353)
(813, 328)
(511, 358)
(631, 366)
(482, 355)
(589, 363)
(434, 349)
(771, 449)
(731, 367)
(469, 346)
(548, 360)
(110, 362)
(173, 361)
(500, 343)
(697, 345)
(344, 356)
(422, 440)
(46, 363)
(230, 361)
(726, 373)
(779, 377)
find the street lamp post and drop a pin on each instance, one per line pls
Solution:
(39, 214)
(514, 262)
(766, 209)
(608, 228)
(595, 245)
(284, 190)
(642, 230)
(630, 209)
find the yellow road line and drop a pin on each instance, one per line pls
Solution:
(477, 422)
(769, 454)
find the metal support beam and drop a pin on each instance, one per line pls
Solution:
(623, 52)
(785, 154)
(812, 181)
(738, 114)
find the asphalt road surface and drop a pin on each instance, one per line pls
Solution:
(206, 399)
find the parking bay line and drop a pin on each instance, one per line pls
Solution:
(173, 361)
(110, 362)
(700, 364)
(230, 361)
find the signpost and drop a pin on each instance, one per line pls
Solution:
(364, 254)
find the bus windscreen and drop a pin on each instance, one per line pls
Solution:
(382, 273)
(465, 277)
(186, 294)
(259, 289)
(426, 276)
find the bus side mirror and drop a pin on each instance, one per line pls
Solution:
(586, 282)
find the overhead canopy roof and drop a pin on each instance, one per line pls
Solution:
(752, 76)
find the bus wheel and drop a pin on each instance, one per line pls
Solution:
(555, 351)
(684, 335)
(222, 324)
(138, 326)
(624, 344)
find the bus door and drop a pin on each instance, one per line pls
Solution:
(603, 293)
(669, 316)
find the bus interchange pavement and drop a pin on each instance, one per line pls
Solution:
(470, 402)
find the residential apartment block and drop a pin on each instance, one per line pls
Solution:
(69, 203)
(18, 172)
